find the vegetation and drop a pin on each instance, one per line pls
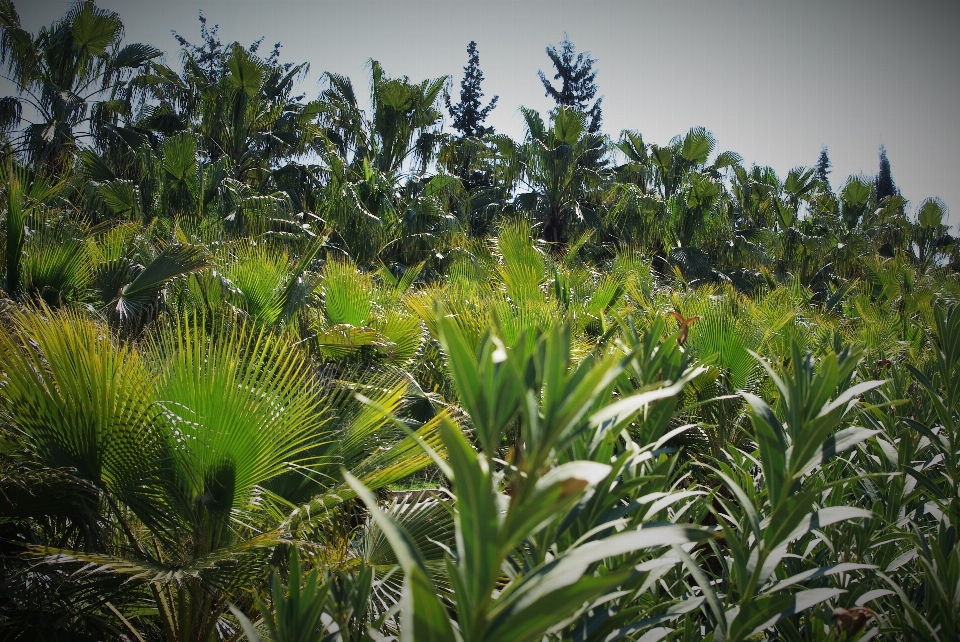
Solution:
(278, 368)
(577, 78)
(467, 116)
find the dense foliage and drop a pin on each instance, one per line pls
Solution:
(295, 369)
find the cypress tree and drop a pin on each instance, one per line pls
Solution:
(578, 81)
(468, 116)
(884, 183)
(823, 167)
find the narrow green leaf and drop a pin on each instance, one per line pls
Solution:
(761, 613)
(478, 517)
(547, 595)
(848, 395)
(825, 517)
(248, 629)
(814, 573)
(625, 408)
(831, 447)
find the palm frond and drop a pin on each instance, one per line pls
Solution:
(346, 293)
(141, 296)
(242, 405)
(79, 401)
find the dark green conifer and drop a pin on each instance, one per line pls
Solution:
(884, 183)
(468, 116)
(578, 81)
(823, 167)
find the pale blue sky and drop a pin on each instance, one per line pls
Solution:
(774, 80)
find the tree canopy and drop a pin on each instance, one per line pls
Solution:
(884, 185)
(468, 115)
(577, 78)
(823, 167)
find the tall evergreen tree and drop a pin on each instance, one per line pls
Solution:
(578, 81)
(823, 167)
(468, 116)
(884, 183)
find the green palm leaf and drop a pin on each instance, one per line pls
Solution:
(79, 401)
(523, 266)
(347, 293)
(242, 405)
(56, 264)
(142, 295)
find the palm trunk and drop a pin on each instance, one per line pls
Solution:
(16, 218)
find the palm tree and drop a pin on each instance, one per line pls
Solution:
(563, 189)
(669, 197)
(401, 128)
(73, 77)
(176, 443)
(373, 163)
(26, 193)
(931, 238)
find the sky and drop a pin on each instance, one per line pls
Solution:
(774, 80)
